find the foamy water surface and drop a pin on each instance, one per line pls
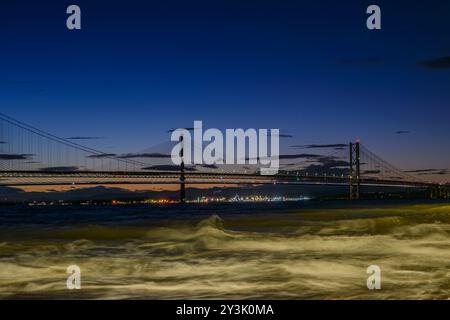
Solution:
(295, 251)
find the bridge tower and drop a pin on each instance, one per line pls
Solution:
(182, 176)
(354, 172)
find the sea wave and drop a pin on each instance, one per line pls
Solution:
(318, 254)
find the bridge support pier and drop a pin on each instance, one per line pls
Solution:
(182, 192)
(354, 172)
(182, 185)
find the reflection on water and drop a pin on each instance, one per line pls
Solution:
(255, 252)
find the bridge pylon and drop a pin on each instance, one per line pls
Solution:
(354, 172)
(182, 176)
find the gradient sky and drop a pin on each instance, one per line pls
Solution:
(310, 68)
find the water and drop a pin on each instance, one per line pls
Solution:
(260, 251)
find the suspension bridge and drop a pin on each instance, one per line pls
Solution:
(32, 157)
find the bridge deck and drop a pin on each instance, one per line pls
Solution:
(31, 178)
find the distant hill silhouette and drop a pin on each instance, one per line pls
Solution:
(8, 194)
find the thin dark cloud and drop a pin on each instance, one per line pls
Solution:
(144, 155)
(437, 63)
(333, 163)
(188, 129)
(84, 138)
(426, 172)
(284, 134)
(328, 167)
(326, 164)
(60, 169)
(2, 142)
(280, 135)
(371, 172)
(300, 156)
(422, 170)
(442, 172)
(101, 156)
(361, 62)
(319, 146)
(16, 156)
(402, 132)
(292, 156)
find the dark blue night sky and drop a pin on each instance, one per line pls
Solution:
(310, 68)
